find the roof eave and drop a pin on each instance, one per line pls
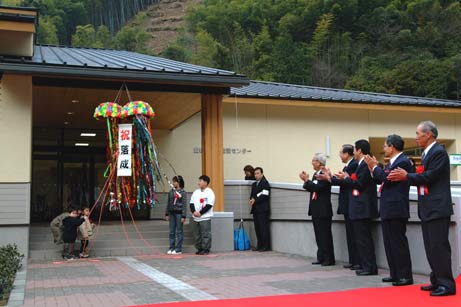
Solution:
(345, 101)
(85, 72)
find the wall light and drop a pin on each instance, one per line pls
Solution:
(82, 144)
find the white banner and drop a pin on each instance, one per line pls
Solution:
(124, 150)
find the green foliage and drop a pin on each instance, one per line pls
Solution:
(10, 2)
(66, 15)
(85, 36)
(396, 46)
(409, 47)
(132, 38)
(47, 32)
(10, 263)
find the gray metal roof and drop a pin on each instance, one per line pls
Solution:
(260, 89)
(108, 63)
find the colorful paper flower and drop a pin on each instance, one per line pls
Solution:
(138, 108)
(108, 109)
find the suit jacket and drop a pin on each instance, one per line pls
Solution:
(262, 199)
(394, 202)
(344, 190)
(437, 203)
(364, 203)
(320, 197)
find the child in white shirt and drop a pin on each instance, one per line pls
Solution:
(201, 206)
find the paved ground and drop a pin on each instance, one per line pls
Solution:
(111, 282)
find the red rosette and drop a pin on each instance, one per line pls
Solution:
(202, 200)
(354, 176)
(423, 189)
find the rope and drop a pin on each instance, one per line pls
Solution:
(126, 233)
(154, 250)
(240, 186)
(90, 246)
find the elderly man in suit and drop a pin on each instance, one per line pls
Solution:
(435, 207)
(394, 210)
(320, 210)
(363, 206)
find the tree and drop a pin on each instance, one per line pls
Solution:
(85, 36)
(47, 32)
(206, 50)
(104, 37)
(132, 39)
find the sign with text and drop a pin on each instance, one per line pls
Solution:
(227, 151)
(124, 150)
(455, 159)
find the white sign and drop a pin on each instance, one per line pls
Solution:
(124, 150)
(455, 159)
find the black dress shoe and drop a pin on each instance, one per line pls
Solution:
(356, 267)
(198, 252)
(254, 249)
(388, 279)
(365, 273)
(316, 262)
(328, 263)
(442, 291)
(403, 282)
(428, 287)
(348, 266)
(264, 250)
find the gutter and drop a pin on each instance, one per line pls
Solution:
(125, 74)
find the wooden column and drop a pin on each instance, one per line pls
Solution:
(212, 145)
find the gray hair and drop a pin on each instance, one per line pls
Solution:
(429, 126)
(321, 157)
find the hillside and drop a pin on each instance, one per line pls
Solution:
(163, 20)
(408, 47)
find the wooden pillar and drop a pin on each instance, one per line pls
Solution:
(212, 145)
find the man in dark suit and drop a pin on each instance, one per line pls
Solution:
(320, 210)
(260, 208)
(347, 156)
(394, 210)
(435, 207)
(363, 207)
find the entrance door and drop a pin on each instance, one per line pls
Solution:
(64, 175)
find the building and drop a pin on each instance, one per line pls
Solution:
(208, 121)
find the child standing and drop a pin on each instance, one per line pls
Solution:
(201, 206)
(71, 224)
(85, 232)
(176, 215)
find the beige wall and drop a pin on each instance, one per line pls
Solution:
(283, 139)
(15, 128)
(177, 146)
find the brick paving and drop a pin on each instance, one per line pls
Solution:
(108, 282)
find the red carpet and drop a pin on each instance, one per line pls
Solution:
(409, 296)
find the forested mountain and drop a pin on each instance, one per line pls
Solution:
(59, 19)
(409, 47)
(395, 46)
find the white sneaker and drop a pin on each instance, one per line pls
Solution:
(176, 253)
(169, 252)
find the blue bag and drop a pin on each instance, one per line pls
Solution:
(241, 240)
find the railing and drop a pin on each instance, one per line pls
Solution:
(292, 231)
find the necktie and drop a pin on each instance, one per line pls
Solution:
(423, 155)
